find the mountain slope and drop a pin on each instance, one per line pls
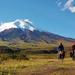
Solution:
(25, 30)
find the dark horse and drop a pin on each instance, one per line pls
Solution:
(72, 53)
(61, 55)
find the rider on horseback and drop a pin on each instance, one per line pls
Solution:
(73, 51)
(61, 51)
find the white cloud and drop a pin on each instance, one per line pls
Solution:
(69, 5)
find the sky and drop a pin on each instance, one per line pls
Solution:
(56, 16)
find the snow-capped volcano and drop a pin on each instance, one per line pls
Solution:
(22, 24)
(24, 30)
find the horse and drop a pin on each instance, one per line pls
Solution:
(61, 55)
(72, 55)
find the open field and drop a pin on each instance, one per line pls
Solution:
(39, 66)
(39, 60)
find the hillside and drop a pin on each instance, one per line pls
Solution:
(24, 30)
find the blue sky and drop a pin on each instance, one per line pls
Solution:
(56, 16)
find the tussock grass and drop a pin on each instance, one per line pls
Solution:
(32, 66)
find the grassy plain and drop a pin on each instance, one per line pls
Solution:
(38, 67)
(37, 64)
